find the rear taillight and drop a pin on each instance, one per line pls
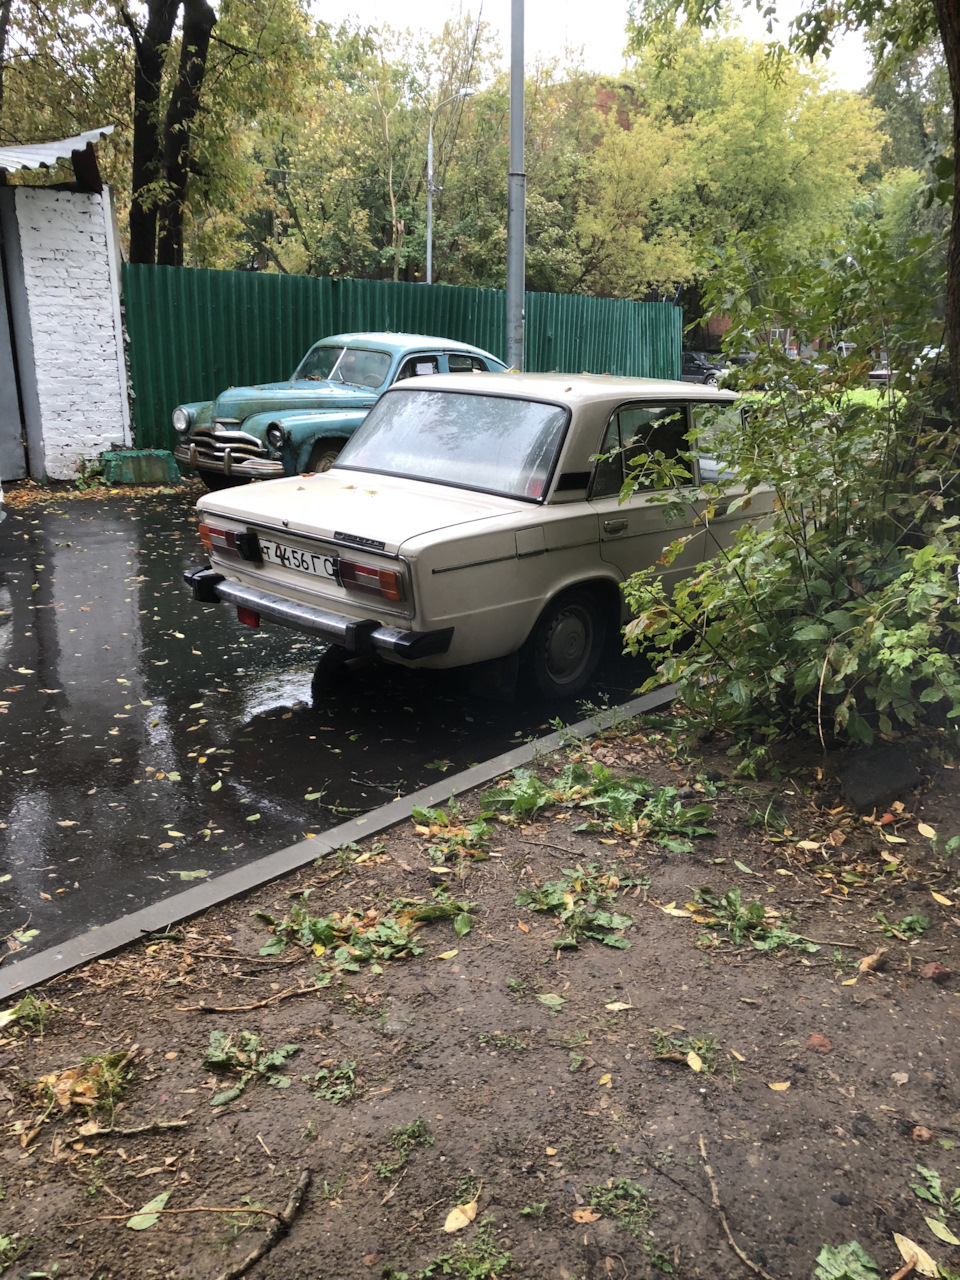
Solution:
(245, 545)
(249, 617)
(386, 583)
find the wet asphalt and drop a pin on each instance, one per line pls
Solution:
(146, 740)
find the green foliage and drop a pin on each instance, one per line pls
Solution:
(336, 1084)
(403, 1140)
(242, 1054)
(450, 838)
(847, 1261)
(499, 1041)
(28, 1016)
(752, 921)
(345, 941)
(630, 806)
(13, 1247)
(580, 901)
(905, 928)
(932, 1190)
(477, 1260)
(836, 614)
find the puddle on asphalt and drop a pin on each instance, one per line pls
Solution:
(145, 738)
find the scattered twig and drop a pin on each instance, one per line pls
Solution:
(905, 1271)
(245, 1008)
(823, 942)
(264, 1145)
(139, 1128)
(392, 1192)
(723, 1218)
(279, 1229)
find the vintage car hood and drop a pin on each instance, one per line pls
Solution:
(278, 397)
(354, 508)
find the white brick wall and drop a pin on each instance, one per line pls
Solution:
(73, 318)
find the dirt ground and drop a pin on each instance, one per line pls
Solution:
(800, 1093)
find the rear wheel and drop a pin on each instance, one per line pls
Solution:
(566, 645)
(324, 454)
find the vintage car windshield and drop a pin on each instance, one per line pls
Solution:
(343, 364)
(498, 444)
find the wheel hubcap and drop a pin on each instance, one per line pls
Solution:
(569, 643)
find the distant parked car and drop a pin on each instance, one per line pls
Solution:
(697, 366)
(468, 521)
(286, 428)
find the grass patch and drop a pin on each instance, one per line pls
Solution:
(403, 1140)
(581, 902)
(498, 1040)
(751, 922)
(626, 806)
(97, 1082)
(626, 1202)
(336, 1085)
(478, 1260)
(668, 1048)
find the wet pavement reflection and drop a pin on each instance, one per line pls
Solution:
(146, 740)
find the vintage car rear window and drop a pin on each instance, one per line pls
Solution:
(497, 444)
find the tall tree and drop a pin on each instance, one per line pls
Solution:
(898, 27)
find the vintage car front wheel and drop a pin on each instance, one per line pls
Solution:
(567, 643)
(215, 480)
(324, 454)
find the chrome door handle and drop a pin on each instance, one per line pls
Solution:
(614, 526)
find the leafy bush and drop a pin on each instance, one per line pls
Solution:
(836, 614)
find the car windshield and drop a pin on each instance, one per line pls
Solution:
(498, 444)
(343, 364)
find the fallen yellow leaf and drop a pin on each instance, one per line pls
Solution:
(524, 928)
(318, 948)
(460, 1217)
(606, 1079)
(617, 1006)
(926, 831)
(586, 1215)
(780, 1088)
(938, 897)
(673, 910)
(447, 955)
(694, 1061)
(849, 982)
(941, 1230)
(808, 844)
(911, 1252)
(739, 1056)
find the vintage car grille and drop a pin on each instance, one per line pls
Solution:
(212, 442)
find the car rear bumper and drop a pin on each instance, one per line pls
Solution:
(228, 465)
(356, 635)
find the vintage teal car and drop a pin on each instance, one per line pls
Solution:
(287, 428)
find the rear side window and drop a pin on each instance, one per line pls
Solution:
(418, 367)
(459, 363)
(633, 431)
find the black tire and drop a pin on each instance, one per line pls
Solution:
(324, 454)
(565, 647)
(215, 480)
(330, 666)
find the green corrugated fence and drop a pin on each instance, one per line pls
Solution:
(192, 333)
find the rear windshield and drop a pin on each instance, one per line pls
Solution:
(496, 444)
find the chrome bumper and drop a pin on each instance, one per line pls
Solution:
(356, 635)
(241, 468)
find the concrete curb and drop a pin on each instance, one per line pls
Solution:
(96, 943)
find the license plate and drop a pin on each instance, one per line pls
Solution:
(313, 562)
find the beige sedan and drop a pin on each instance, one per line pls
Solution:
(470, 518)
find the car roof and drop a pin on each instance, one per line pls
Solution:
(394, 342)
(579, 388)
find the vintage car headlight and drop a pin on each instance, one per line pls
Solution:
(275, 435)
(181, 420)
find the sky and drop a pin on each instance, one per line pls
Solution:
(595, 26)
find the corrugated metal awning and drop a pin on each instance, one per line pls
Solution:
(43, 155)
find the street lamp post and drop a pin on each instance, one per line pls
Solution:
(464, 93)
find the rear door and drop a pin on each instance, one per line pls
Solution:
(634, 534)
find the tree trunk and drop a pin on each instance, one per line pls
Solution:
(948, 20)
(198, 22)
(150, 46)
